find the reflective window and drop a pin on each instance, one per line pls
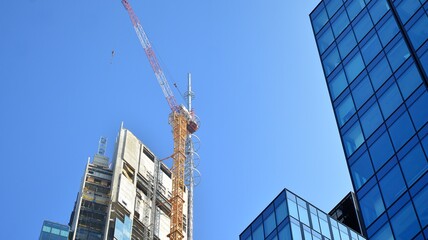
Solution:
(258, 231)
(409, 81)
(340, 23)
(418, 33)
(314, 219)
(405, 224)
(424, 61)
(354, 67)
(292, 205)
(325, 39)
(390, 100)
(362, 92)
(345, 110)
(285, 233)
(421, 205)
(338, 84)
(371, 48)
(363, 26)
(46, 229)
(331, 61)
(354, 7)
(419, 111)
(361, 170)
(269, 220)
(378, 9)
(392, 185)
(380, 73)
(334, 229)
(414, 164)
(55, 231)
(343, 232)
(307, 233)
(295, 230)
(320, 20)
(401, 130)
(325, 229)
(332, 6)
(281, 212)
(398, 54)
(347, 43)
(303, 212)
(388, 30)
(383, 234)
(371, 120)
(407, 8)
(381, 150)
(371, 205)
(353, 139)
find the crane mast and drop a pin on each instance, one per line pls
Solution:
(183, 122)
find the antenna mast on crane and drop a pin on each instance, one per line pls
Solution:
(184, 123)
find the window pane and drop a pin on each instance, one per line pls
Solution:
(338, 84)
(353, 139)
(315, 222)
(46, 229)
(325, 229)
(269, 223)
(292, 207)
(331, 61)
(345, 110)
(347, 44)
(354, 67)
(295, 230)
(258, 233)
(362, 92)
(418, 33)
(334, 229)
(414, 164)
(285, 233)
(380, 73)
(363, 26)
(371, 48)
(383, 234)
(405, 224)
(332, 6)
(371, 205)
(303, 213)
(409, 81)
(407, 8)
(340, 23)
(281, 212)
(354, 8)
(320, 20)
(371, 120)
(55, 231)
(378, 10)
(381, 150)
(421, 205)
(388, 31)
(398, 54)
(401, 130)
(64, 233)
(392, 185)
(390, 100)
(325, 39)
(419, 111)
(361, 170)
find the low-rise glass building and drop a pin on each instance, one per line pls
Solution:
(289, 217)
(54, 231)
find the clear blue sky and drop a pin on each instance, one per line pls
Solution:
(267, 122)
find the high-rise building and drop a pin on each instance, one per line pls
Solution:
(289, 217)
(54, 231)
(374, 55)
(89, 217)
(122, 202)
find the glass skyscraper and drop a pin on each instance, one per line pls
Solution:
(375, 59)
(289, 217)
(54, 231)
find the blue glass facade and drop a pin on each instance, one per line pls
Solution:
(375, 59)
(289, 217)
(54, 231)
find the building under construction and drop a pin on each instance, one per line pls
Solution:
(122, 201)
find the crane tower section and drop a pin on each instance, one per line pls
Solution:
(183, 123)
